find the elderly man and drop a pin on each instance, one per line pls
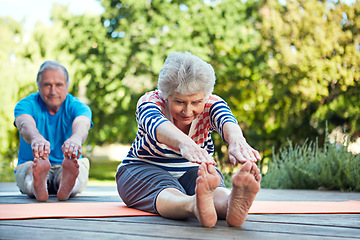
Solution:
(52, 125)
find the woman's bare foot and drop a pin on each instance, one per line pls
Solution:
(246, 184)
(206, 183)
(69, 173)
(40, 170)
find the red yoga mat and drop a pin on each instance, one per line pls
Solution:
(118, 209)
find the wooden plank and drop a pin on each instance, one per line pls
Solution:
(305, 195)
(334, 220)
(13, 232)
(160, 227)
(259, 226)
(17, 232)
(331, 220)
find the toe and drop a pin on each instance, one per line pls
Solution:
(246, 167)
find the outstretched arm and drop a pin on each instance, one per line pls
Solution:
(80, 129)
(167, 133)
(29, 132)
(239, 149)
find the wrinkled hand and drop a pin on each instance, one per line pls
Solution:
(196, 154)
(40, 148)
(241, 151)
(72, 148)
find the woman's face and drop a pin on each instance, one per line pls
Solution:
(185, 108)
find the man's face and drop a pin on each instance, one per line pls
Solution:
(53, 89)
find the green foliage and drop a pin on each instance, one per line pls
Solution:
(308, 166)
(313, 55)
(13, 85)
(284, 69)
(277, 72)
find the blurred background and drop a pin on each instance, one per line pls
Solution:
(289, 70)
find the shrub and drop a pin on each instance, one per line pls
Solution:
(311, 167)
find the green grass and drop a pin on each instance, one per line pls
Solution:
(103, 169)
(101, 183)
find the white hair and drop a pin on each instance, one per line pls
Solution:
(51, 65)
(186, 74)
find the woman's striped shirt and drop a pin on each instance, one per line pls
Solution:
(152, 110)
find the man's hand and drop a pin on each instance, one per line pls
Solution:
(40, 147)
(27, 128)
(72, 148)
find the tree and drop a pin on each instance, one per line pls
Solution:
(284, 69)
(313, 54)
(273, 68)
(10, 31)
(135, 38)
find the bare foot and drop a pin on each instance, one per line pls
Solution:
(69, 173)
(206, 183)
(246, 184)
(40, 170)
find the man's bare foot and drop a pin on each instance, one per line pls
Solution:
(206, 183)
(246, 184)
(69, 173)
(40, 170)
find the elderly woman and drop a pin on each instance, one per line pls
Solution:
(169, 169)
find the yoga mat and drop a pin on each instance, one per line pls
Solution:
(304, 207)
(118, 209)
(68, 210)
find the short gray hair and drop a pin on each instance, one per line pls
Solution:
(51, 65)
(186, 74)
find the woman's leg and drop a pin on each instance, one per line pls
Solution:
(234, 205)
(221, 193)
(140, 183)
(246, 184)
(171, 203)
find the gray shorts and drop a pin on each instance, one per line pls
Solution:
(139, 184)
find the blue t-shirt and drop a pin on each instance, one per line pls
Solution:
(54, 128)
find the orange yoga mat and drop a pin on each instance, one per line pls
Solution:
(68, 210)
(304, 207)
(118, 209)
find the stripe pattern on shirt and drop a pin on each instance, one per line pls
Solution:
(152, 111)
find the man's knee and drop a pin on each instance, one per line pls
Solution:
(83, 177)
(24, 179)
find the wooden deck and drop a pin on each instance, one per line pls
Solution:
(257, 226)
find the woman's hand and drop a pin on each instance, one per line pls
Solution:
(167, 133)
(241, 151)
(195, 154)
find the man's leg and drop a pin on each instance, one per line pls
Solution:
(31, 178)
(67, 178)
(83, 177)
